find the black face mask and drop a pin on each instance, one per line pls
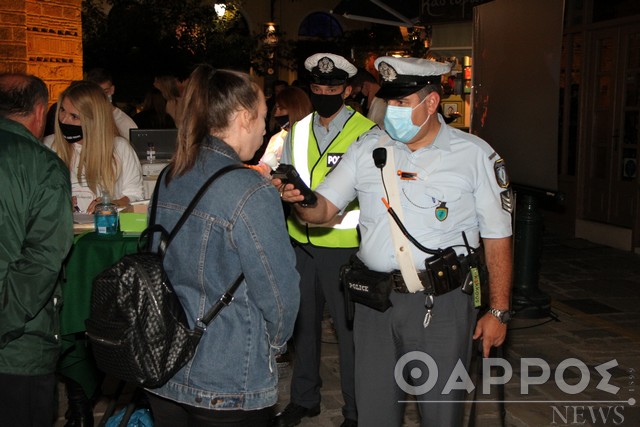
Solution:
(326, 105)
(282, 121)
(71, 133)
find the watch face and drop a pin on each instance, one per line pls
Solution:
(503, 317)
(506, 317)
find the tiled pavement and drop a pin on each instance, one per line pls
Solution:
(595, 297)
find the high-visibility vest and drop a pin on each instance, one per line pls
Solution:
(313, 166)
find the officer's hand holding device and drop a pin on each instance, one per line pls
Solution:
(289, 175)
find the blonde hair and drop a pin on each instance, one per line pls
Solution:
(98, 163)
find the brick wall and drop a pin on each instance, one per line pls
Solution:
(44, 38)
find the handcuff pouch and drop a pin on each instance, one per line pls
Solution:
(443, 272)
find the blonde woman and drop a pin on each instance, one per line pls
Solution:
(87, 140)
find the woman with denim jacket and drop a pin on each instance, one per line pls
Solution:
(238, 226)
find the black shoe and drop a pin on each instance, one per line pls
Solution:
(293, 414)
(349, 423)
(79, 418)
(80, 410)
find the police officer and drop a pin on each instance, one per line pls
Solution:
(452, 188)
(314, 146)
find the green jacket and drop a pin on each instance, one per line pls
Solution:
(36, 229)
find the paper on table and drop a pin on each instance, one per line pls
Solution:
(82, 218)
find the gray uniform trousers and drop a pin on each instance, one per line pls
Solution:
(381, 339)
(319, 270)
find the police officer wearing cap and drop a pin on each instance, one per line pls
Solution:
(315, 146)
(453, 192)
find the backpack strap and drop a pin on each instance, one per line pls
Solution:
(165, 239)
(223, 302)
(198, 196)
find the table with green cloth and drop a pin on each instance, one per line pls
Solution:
(90, 255)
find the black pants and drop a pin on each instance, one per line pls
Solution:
(167, 413)
(27, 401)
(319, 270)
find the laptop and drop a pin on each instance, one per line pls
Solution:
(163, 140)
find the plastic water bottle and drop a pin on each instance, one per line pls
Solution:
(151, 152)
(106, 216)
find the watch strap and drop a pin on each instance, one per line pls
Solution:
(499, 314)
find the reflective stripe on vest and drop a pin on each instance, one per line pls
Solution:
(348, 220)
(301, 147)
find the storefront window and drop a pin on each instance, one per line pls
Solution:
(320, 25)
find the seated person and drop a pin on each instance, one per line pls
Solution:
(168, 87)
(154, 112)
(99, 160)
(103, 78)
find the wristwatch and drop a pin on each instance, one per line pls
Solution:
(503, 316)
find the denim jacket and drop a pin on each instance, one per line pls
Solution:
(238, 226)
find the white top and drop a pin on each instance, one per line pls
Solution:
(123, 122)
(128, 183)
(456, 188)
(274, 148)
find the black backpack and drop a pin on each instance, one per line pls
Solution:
(137, 327)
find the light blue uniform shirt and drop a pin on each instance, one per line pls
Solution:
(324, 136)
(457, 173)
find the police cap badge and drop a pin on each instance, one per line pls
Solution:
(400, 77)
(329, 69)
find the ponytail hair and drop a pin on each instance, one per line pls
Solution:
(211, 99)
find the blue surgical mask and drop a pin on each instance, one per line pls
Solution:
(398, 123)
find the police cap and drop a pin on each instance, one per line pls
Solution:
(400, 77)
(329, 69)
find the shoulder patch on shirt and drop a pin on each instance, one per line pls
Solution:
(372, 136)
(500, 170)
(506, 197)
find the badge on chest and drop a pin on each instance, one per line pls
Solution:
(442, 211)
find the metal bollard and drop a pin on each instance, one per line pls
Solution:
(528, 301)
